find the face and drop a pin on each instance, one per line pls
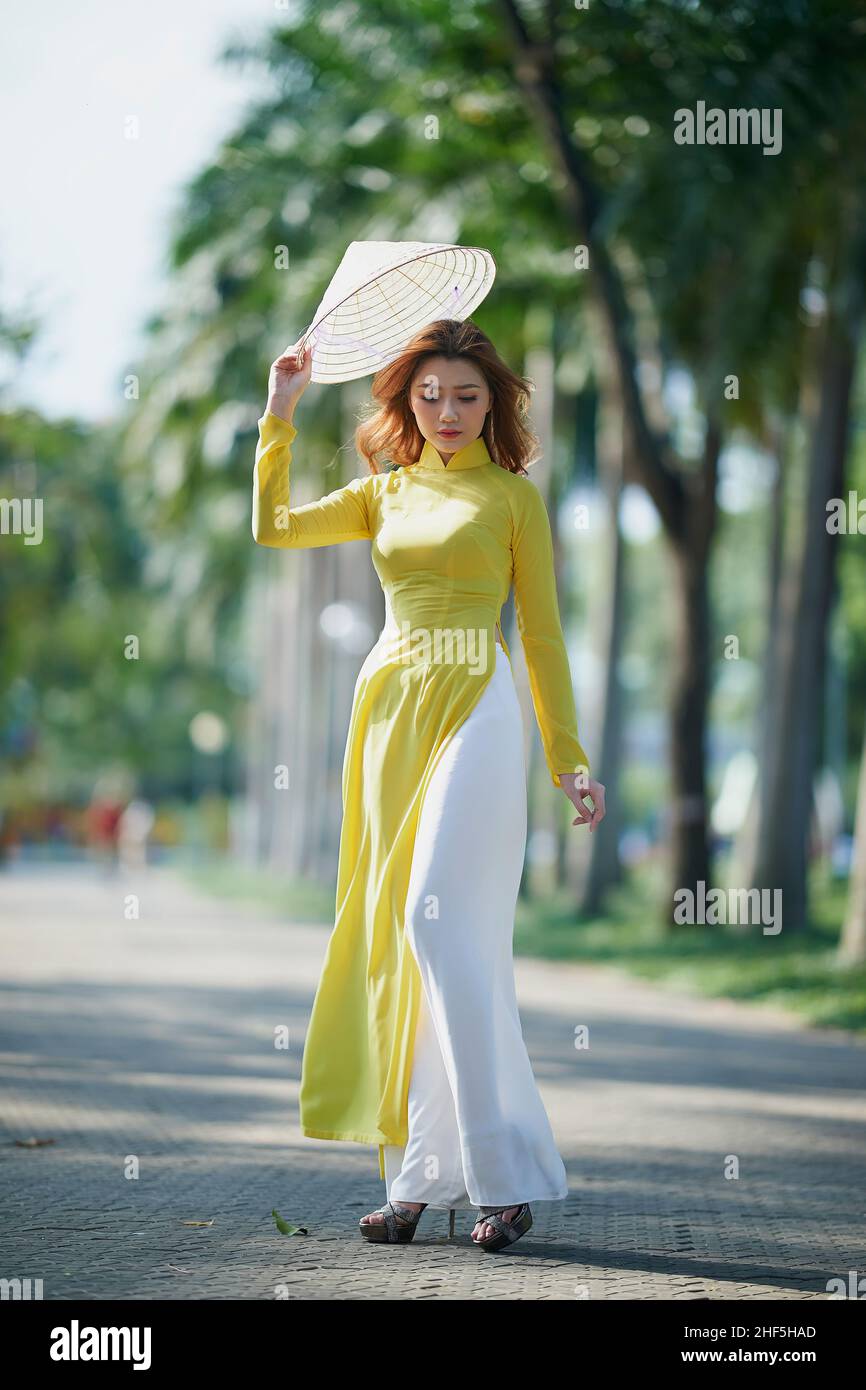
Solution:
(450, 395)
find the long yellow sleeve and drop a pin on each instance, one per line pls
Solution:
(538, 622)
(340, 516)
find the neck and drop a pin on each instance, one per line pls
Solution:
(471, 455)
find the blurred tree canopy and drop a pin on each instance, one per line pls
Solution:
(531, 129)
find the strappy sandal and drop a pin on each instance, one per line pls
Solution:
(506, 1231)
(398, 1228)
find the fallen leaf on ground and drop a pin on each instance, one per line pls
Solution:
(285, 1229)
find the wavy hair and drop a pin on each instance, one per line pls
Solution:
(391, 433)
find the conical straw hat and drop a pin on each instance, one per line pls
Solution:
(383, 292)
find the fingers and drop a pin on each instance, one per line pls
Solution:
(584, 814)
(594, 817)
(294, 357)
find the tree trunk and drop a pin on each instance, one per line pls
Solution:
(852, 944)
(543, 811)
(690, 857)
(605, 869)
(743, 850)
(781, 850)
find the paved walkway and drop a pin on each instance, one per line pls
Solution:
(149, 1045)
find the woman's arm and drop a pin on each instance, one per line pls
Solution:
(537, 609)
(340, 516)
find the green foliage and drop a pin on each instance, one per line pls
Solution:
(76, 702)
(147, 524)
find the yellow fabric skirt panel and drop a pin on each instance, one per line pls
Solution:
(358, 1052)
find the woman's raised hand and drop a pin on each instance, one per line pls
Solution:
(288, 379)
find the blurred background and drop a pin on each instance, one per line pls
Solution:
(684, 287)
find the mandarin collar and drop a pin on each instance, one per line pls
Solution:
(470, 456)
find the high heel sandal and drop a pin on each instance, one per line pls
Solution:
(398, 1227)
(506, 1231)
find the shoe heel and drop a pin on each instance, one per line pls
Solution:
(451, 1215)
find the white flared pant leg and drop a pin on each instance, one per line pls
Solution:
(478, 1130)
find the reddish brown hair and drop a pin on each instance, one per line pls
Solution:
(391, 433)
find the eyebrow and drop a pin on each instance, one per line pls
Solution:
(464, 386)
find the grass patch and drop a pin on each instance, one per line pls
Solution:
(798, 972)
(298, 900)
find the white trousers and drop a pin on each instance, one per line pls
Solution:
(478, 1130)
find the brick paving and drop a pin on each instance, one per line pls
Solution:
(147, 1046)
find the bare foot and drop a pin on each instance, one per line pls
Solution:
(483, 1228)
(376, 1218)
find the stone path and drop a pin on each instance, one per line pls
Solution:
(145, 1050)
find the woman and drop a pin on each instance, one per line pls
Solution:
(414, 1042)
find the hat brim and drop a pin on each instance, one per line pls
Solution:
(385, 292)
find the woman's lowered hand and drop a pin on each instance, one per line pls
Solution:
(577, 786)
